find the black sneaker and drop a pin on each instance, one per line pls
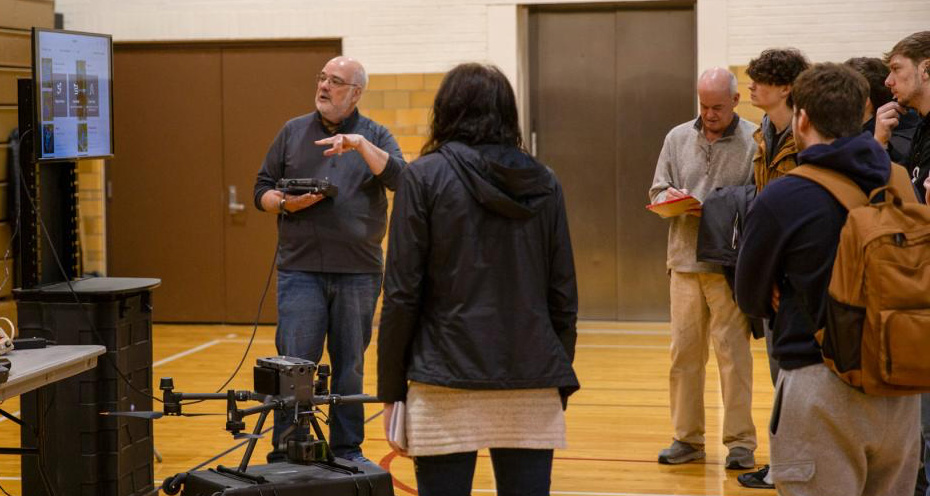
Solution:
(755, 480)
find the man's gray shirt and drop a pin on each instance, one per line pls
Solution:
(689, 161)
(341, 234)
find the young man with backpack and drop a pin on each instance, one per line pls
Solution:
(827, 437)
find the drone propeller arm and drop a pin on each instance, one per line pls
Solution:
(267, 407)
(240, 395)
(335, 399)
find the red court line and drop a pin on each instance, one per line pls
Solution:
(385, 463)
(580, 459)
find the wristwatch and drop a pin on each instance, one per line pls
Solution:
(281, 205)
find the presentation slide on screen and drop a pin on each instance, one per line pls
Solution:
(74, 79)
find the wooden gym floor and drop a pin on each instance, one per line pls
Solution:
(617, 422)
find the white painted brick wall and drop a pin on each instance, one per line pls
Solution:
(412, 36)
(825, 30)
(400, 36)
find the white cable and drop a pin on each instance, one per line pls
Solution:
(6, 343)
(12, 327)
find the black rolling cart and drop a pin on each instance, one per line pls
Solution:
(86, 453)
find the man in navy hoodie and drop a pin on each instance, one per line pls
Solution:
(826, 437)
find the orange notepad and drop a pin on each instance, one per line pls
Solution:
(673, 208)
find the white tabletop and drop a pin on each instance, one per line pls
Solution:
(32, 369)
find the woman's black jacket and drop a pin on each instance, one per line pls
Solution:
(479, 289)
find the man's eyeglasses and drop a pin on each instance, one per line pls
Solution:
(334, 81)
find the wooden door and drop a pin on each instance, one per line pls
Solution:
(165, 211)
(655, 86)
(604, 91)
(193, 120)
(264, 88)
(574, 118)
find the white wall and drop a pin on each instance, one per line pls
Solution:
(826, 30)
(400, 36)
(404, 36)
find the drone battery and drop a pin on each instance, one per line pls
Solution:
(286, 479)
(266, 380)
(283, 375)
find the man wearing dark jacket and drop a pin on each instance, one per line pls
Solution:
(875, 72)
(909, 80)
(826, 437)
(329, 248)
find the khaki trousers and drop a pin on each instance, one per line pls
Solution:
(829, 439)
(702, 307)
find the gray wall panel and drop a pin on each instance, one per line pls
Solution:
(604, 91)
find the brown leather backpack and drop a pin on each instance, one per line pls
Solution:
(877, 335)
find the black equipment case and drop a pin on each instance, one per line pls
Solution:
(287, 479)
(87, 453)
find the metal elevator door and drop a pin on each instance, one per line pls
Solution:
(606, 85)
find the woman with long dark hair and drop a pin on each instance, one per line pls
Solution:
(477, 331)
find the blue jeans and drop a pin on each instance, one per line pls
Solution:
(337, 308)
(519, 472)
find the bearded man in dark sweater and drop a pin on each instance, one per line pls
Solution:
(329, 248)
(826, 437)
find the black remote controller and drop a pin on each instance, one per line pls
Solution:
(29, 343)
(307, 185)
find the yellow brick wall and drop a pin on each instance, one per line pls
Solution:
(92, 223)
(745, 108)
(402, 103)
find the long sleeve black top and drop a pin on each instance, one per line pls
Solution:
(341, 234)
(479, 288)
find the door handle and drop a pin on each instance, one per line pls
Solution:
(234, 205)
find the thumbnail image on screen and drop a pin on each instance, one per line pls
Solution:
(48, 138)
(74, 94)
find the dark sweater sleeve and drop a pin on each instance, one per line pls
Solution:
(562, 293)
(757, 264)
(390, 176)
(405, 271)
(272, 168)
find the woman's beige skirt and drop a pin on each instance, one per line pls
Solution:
(443, 420)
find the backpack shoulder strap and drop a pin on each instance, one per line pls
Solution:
(847, 192)
(900, 182)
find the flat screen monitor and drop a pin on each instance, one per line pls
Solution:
(72, 75)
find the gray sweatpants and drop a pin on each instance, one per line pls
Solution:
(830, 439)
